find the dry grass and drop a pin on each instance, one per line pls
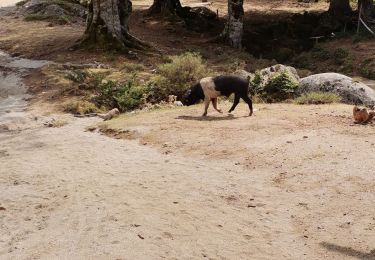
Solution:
(79, 107)
(317, 98)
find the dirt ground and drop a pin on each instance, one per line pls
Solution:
(291, 182)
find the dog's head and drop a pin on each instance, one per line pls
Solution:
(193, 95)
(172, 99)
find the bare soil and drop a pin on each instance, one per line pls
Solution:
(291, 182)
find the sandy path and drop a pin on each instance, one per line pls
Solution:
(71, 194)
(75, 194)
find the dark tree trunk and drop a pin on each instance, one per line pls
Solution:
(367, 7)
(233, 30)
(340, 7)
(165, 7)
(107, 25)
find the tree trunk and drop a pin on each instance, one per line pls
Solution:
(340, 7)
(107, 25)
(367, 7)
(165, 7)
(233, 30)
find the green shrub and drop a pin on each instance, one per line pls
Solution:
(302, 61)
(339, 55)
(130, 96)
(182, 71)
(318, 98)
(159, 89)
(79, 107)
(280, 87)
(366, 70)
(126, 96)
(283, 54)
(320, 53)
(133, 67)
(256, 83)
(77, 76)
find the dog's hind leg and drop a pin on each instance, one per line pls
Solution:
(214, 103)
(249, 102)
(206, 105)
(235, 103)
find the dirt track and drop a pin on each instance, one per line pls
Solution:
(292, 182)
(287, 186)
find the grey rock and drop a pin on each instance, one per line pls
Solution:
(53, 10)
(350, 91)
(265, 75)
(269, 72)
(244, 74)
(50, 8)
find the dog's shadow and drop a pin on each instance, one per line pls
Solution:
(208, 118)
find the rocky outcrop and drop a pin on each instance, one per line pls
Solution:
(350, 91)
(53, 9)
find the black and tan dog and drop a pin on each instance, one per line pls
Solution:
(210, 88)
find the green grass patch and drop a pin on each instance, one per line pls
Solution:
(317, 98)
(79, 107)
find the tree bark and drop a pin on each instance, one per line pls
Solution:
(107, 25)
(233, 30)
(339, 7)
(165, 7)
(367, 7)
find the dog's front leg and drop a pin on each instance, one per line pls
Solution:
(206, 105)
(214, 103)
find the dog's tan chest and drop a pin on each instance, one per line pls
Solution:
(208, 87)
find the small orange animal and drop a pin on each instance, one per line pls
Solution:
(172, 99)
(362, 116)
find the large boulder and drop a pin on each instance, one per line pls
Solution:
(264, 75)
(275, 83)
(268, 73)
(350, 91)
(54, 8)
(244, 74)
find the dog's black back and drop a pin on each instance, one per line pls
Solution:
(228, 85)
(209, 88)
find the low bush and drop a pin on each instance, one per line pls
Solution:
(79, 107)
(133, 67)
(280, 87)
(339, 55)
(256, 84)
(125, 96)
(317, 98)
(77, 76)
(366, 70)
(320, 53)
(181, 72)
